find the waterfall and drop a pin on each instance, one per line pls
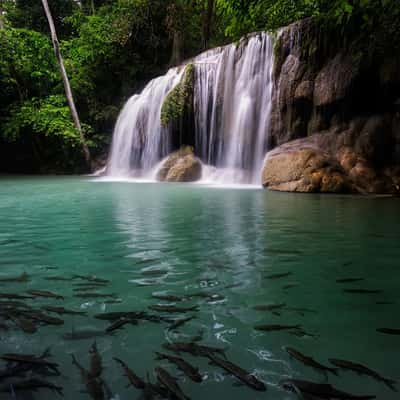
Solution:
(231, 101)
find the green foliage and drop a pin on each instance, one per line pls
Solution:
(49, 116)
(179, 98)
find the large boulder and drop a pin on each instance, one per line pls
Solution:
(326, 163)
(180, 166)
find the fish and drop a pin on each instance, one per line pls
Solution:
(274, 327)
(386, 303)
(134, 380)
(62, 310)
(233, 285)
(86, 288)
(94, 386)
(244, 376)
(306, 360)
(319, 390)
(179, 322)
(23, 323)
(90, 278)
(172, 309)
(45, 293)
(193, 348)
(269, 307)
(167, 297)
(32, 359)
(91, 284)
(349, 280)
(279, 275)
(289, 286)
(154, 272)
(113, 316)
(363, 291)
(190, 371)
(58, 278)
(41, 317)
(13, 304)
(389, 331)
(170, 383)
(361, 369)
(32, 384)
(24, 277)
(95, 295)
(83, 334)
(119, 323)
(96, 366)
(301, 333)
(14, 296)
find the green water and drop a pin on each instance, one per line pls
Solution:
(223, 241)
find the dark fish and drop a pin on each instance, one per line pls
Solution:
(269, 307)
(23, 323)
(290, 285)
(86, 288)
(172, 309)
(83, 334)
(91, 284)
(319, 390)
(193, 348)
(94, 386)
(31, 384)
(389, 331)
(134, 380)
(94, 295)
(154, 272)
(190, 371)
(90, 278)
(233, 285)
(274, 327)
(45, 293)
(96, 365)
(306, 360)
(13, 304)
(119, 323)
(170, 383)
(278, 276)
(24, 277)
(361, 369)
(62, 310)
(362, 291)
(302, 333)
(244, 376)
(113, 316)
(14, 296)
(180, 322)
(386, 303)
(167, 297)
(349, 280)
(32, 359)
(41, 317)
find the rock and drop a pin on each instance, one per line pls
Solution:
(180, 166)
(303, 169)
(304, 91)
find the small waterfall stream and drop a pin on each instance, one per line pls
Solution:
(231, 102)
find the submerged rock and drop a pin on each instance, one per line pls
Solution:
(180, 166)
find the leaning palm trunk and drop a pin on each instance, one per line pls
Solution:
(67, 87)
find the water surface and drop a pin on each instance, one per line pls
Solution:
(181, 239)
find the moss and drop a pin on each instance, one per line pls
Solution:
(179, 98)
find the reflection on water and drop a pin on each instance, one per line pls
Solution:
(232, 253)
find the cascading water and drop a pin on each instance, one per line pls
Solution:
(231, 101)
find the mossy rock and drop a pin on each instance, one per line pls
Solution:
(179, 98)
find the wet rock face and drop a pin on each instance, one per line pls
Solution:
(346, 97)
(180, 166)
(323, 163)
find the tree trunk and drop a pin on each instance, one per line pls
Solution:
(207, 23)
(67, 87)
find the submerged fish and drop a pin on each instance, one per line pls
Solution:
(93, 385)
(23, 323)
(274, 327)
(62, 310)
(24, 277)
(31, 384)
(172, 309)
(361, 369)
(57, 278)
(306, 360)
(83, 334)
(167, 297)
(134, 380)
(279, 275)
(244, 376)
(119, 323)
(96, 365)
(45, 293)
(389, 331)
(170, 383)
(349, 280)
(90, 278)
(269, 307)
(363, 291)
(190, 371)
(180, 322)
(193, 348)
(319, 390)
(95, 295)
(14, 296)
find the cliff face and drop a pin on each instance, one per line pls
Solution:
(340, 100)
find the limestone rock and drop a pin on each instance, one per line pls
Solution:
(180, 166)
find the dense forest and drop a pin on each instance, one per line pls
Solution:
(112, 48)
